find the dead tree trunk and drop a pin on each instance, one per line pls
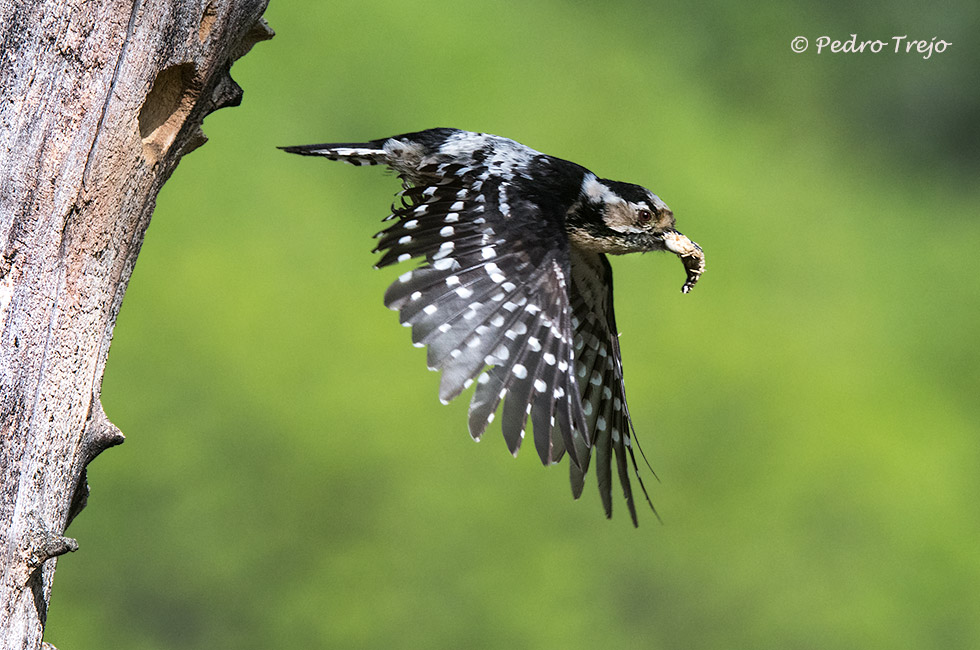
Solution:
(99, 99)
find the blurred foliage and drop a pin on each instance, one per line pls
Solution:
(290, 480)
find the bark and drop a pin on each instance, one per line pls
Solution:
(99, 99)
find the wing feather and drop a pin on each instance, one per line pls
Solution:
(600, 375)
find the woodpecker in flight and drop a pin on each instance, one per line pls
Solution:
(515, 292)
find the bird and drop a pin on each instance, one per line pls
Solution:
(514, 292)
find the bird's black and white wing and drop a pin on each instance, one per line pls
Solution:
(599, 372)
(493, 291)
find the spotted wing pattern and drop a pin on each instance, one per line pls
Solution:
(489, 294)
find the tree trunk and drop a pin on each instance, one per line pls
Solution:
(100, 99)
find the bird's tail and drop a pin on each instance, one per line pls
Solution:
(355, 153)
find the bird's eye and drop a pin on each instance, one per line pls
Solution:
(644, 216)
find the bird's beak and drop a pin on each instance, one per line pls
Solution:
(690, 253)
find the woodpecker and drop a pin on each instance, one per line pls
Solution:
(514, 292)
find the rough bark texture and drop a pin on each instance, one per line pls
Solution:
(99, 99)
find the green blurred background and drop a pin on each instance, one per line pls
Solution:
(289, 478)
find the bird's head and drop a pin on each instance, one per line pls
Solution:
(618, 218)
